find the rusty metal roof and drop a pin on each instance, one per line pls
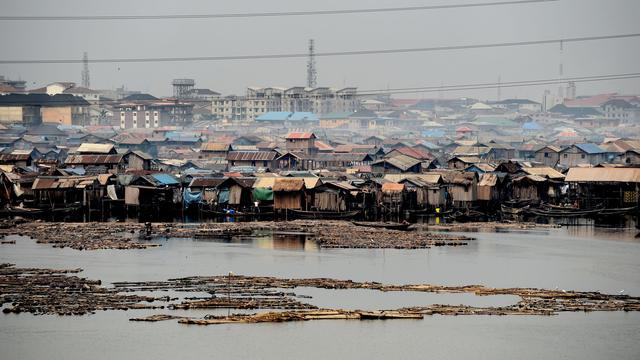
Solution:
(301, 136)
(251, 155)
(14, 157)
(488, 180)
(628, 175)
(206, 182)
(210, 146)
(392, 187)
(93, 159)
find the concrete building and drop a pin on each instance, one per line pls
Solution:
(143, 111)
(259, 101)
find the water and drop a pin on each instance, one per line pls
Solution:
(578, 258)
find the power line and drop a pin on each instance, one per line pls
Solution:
(267, 14)
(502, 85)
(427, 89)
(508, 83)
(320, 54)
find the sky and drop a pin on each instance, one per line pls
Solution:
(241, 36)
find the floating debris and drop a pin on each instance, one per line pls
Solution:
(327, 234)
(287, 316)
(50, 291)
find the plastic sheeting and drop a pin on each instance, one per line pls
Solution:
(191, 197)
(111, 191)
(223, 196)
(131, 195)
(262, 194)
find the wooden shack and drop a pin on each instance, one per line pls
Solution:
(335, 196)
(289, 193)
(236, 192)
(613, 187)
(530, 187)
(392, 197)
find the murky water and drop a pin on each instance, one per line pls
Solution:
(578, 258)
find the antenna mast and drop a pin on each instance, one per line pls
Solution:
(312, 74)
(86, 80)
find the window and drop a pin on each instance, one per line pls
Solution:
(566, 156)
(546, 154)
(584, 156)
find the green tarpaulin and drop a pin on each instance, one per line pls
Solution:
(262, 194)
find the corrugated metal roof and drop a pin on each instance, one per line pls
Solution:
(95, 148)
(251, 155)
(392, 187)
(165, 179)
(629, 175)
(488, 180)
(214, 147)
(544, 171)
(14, 157)
(93, 159)
(590, 148)
(206, 182)
(402, 162)
(426, 178)
(300, 136)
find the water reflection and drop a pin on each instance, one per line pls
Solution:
(268, 239)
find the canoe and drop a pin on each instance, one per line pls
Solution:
(617, 211)
(236, 214)
(512, 210)
(561, 213)
(326, 215)
(388, 226)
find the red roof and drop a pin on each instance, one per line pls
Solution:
(591, 101)
(300, 135)
(415, 153)
(404, 102)
(464, 129)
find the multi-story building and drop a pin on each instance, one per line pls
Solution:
(259, 101)
(621, 110)
(145, 111)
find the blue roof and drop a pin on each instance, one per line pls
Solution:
(182, 136)
(590, 148)
(165, 179)
(433, 133)
(303, 116)
(531, 126)
(287, 116)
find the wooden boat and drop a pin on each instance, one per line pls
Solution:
(562, 213)
(430, 212)
(512, 210)
(567, 208)
(388, 226)
(617, 211)
(19, 211)
(236, 214)
(324, 215)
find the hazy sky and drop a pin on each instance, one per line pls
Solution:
(216, 37)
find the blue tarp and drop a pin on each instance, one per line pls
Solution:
(191, 197)
(165, 179)
(223, 196)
